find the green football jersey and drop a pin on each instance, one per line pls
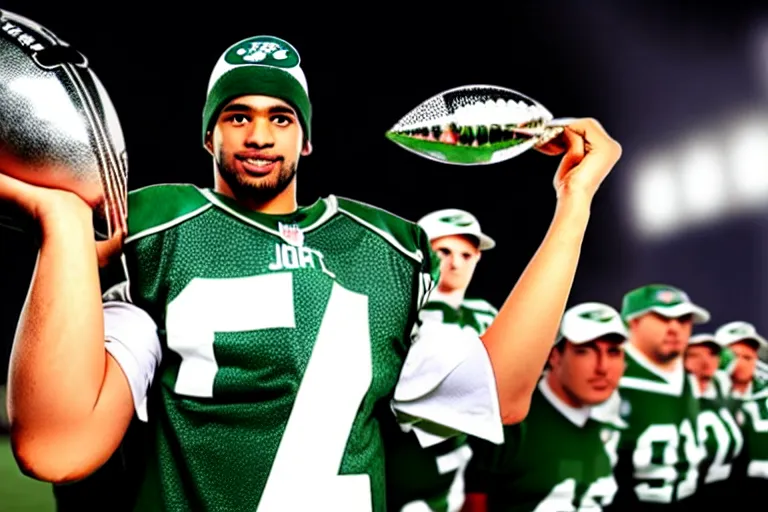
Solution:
(753, 419)
(283, 337)
(659, 453)
(432, 479)
(558, 459)
(721, 438)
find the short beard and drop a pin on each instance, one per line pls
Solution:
(257, 193)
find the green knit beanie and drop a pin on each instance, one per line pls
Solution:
(258, 65)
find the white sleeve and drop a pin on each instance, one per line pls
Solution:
(447, 387)
(131, 338)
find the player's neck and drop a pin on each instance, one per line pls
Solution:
(453, 298)
(559, 391)
(703, 384)
(282, 204)
(740, 387)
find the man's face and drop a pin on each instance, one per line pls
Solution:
(589, 372)
(702, 360)
(256, 143)
(662, 339)
(745, 353)
(458, 258)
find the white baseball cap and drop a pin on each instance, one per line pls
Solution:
(452, 221)
(590, 321)
(704, 337)
(738, 331)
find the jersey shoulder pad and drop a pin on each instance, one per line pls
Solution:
(480, 306)
(156, 208)
(406, 236)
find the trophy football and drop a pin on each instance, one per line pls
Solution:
(476, 125)
(58, 126)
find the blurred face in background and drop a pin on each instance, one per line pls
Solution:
(702, 360)
(663, 340)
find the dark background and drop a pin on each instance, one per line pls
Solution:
(651, 72)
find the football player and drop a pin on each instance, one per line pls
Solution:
(716, 424)
(264, 342)
(561, 456)
(659, 453)
(432, 479)
(744, 342)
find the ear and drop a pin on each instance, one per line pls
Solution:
(307, 149)
(554, 358)
(209, 142)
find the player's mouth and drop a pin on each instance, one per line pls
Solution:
(599, 385)
(258, 164)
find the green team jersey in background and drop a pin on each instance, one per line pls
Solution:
(751, 474)
(721, 438)
(432, 479)
(282, 340)
(659, 452)
(558, 459)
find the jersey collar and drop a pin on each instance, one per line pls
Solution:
(306, 217)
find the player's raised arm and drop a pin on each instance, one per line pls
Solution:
(69, 403)
(521, 336)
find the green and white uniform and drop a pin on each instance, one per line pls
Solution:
(721, 438)
(751, 471)
(270, 348)
(659, 453)
(432, 479)
(559, 459)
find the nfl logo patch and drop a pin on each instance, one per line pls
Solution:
(666, 296)
(291, 233)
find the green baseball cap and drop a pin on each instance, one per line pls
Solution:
(662, 299)
(258, 65)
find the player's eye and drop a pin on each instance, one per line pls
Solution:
(238, 119)
(282, 120)
(443, 252)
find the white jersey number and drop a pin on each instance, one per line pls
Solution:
(455, 460)
(669, 437)
(327, 400)
(723, 428)
(753, 408)
(563, 496)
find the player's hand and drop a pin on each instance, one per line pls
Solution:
(589, 155)
(51, 207)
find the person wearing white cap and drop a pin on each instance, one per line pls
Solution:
(718, 431)
(431, 479)
(561, 456)
(743, 342)
(659, 402)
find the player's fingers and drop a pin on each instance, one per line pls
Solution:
(596, 138)
(17, 192)
(108, 250)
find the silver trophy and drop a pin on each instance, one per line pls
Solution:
(476, 125)
(58, 126)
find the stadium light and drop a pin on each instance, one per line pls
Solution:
(748, 156)
(707, 179)
(702, 181)
(654, 197)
